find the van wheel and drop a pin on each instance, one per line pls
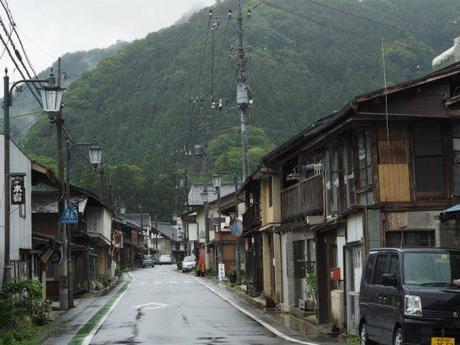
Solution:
(363, 335)
(398, 338)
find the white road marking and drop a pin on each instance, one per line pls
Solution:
(90, 336)
(158, 282)
(150, 306)
(252, 316)
(172, 282)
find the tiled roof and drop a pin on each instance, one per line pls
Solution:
(168, 230)
(196, 199)
(135, 218)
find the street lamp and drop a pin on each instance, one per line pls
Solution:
(95, 155)
(216, 181)
(52, 97)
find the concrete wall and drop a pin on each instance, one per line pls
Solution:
(278, 267)
(20, 219)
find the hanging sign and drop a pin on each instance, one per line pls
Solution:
(18, 191)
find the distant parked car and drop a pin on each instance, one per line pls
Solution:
(189, 263)
(147, 260)
(156, 259)
(165, 259)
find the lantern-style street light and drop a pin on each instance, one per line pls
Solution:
(216, 181)
(51, 98)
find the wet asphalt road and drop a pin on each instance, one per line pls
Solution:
(164, 306)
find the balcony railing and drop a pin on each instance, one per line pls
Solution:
(251, 218)
(303, 199)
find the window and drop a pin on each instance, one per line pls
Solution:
(394, 265)
(349, 177)
(328, 183)
(365, 160)
(369, 268)
(270, 192)
(428, 159)
(380, 268)
(299, 259)
(418, 238)
(335, 180)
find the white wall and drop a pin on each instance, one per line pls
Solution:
(99, 220)
(20, 227)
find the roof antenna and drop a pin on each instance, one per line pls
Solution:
(385, 90)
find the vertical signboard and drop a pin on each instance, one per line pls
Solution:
(18, 191)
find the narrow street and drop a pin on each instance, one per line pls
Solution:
(163, 306)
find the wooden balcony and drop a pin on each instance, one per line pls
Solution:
(251, 218)
(303, 199)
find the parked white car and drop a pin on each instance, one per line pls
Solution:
(189, 263)
(165, 260)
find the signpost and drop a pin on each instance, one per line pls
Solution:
(221, 272)
(70, 215)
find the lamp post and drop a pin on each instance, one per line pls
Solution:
(95, 155)
(51, 102)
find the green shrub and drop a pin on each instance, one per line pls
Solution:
(105, 280)
(21, 307)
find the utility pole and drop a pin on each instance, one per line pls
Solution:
(6, 201)
(63, 265)
(204, 168)
(242, 91)
(156, 233)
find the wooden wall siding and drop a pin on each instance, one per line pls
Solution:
(302, 199)
(394, 182)
(423, 100)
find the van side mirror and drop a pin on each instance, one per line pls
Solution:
(389, 279)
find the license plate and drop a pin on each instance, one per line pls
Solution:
(442, 341)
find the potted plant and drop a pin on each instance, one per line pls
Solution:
(311, 290)
(269, 300)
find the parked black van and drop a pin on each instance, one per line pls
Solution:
(411, 296)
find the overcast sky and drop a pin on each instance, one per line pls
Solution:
(50, 28)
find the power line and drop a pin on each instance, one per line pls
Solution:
(4, 3)
(17, 67)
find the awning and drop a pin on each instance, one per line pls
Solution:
(450, 213)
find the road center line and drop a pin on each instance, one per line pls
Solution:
(252, 316)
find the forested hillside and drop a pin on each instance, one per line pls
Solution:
(26, 109)
(304, 60)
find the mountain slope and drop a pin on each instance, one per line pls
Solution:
(304, 61)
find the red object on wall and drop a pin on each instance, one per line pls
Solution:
(334, 273)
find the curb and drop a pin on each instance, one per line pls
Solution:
(253, 317)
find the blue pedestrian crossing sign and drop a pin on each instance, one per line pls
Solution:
(70, 215)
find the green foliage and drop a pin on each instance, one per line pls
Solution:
(311, 289)
(105, 280)
(21, 309)
(137, 101)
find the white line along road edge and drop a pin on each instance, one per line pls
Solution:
(252, 316)
(90, 336)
